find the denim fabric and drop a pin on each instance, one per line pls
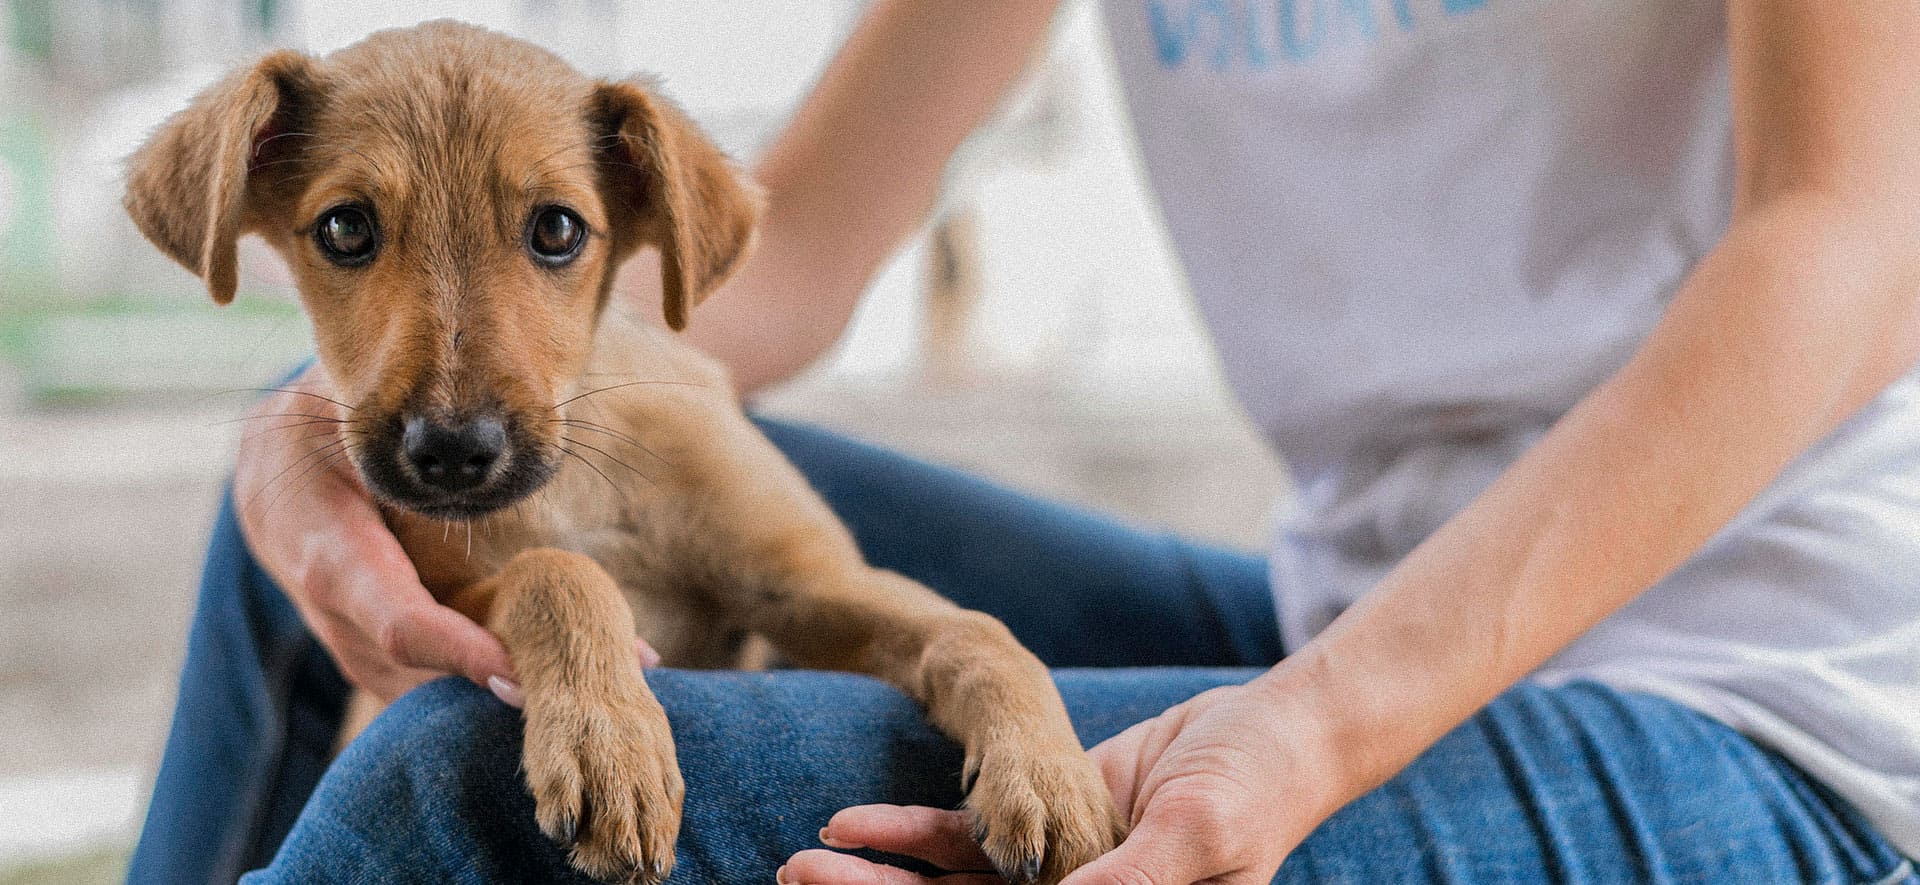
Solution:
(1573, 784)
(1080, 590)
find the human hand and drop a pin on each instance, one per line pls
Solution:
(316, 530)
(1219, 789)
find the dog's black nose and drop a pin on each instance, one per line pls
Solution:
(453, 457)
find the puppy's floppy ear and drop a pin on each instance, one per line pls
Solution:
(190, 187)
(674, 189)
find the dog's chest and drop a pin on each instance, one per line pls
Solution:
(672, 606)
(642, 544)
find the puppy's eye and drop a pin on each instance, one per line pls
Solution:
(347, 236)
(555, 235)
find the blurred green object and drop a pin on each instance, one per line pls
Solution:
(31, 22)
(70, 351)
(98, 867)
(26, 207)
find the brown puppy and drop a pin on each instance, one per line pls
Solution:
(454, 204)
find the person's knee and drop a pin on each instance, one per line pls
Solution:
(443, 727)
(443, 759)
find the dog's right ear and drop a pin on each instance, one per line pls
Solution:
(191, 187)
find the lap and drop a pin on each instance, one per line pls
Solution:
(1579, 783)
(1583, 783)
(1545, 784)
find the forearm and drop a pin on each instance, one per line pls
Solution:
(857, 169)
(1772, 342)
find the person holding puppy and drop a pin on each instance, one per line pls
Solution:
(1588, 330)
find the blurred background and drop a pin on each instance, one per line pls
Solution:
(1036, 330)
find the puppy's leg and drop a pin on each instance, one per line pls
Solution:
(599, 757)
(1042, 808)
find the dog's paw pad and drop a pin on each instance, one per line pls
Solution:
(1041, 817)
(604, 782)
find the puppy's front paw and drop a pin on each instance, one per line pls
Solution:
(605, 781)
(1041, 814)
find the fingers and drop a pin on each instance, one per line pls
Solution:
(939, 837)
(819, 866)
(423, 634)
(359, 657)
(507, 691)
(391, 633)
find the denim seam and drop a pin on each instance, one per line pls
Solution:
(244, 839)
(1199, 595)
(1203, 599)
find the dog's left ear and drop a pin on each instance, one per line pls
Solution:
(672, 188)
(191, 187)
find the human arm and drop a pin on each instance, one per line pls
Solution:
(1803, 313)
(856, 171)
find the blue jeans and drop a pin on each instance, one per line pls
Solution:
(1580, 783)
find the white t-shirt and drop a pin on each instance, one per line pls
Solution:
(1420, 231)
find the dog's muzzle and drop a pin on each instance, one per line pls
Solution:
(452, 467)
(453, 457)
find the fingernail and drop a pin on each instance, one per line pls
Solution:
(506, 691)
(780, 875)
(648, 657)
(831, 842)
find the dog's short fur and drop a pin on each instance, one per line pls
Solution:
(631, 489)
